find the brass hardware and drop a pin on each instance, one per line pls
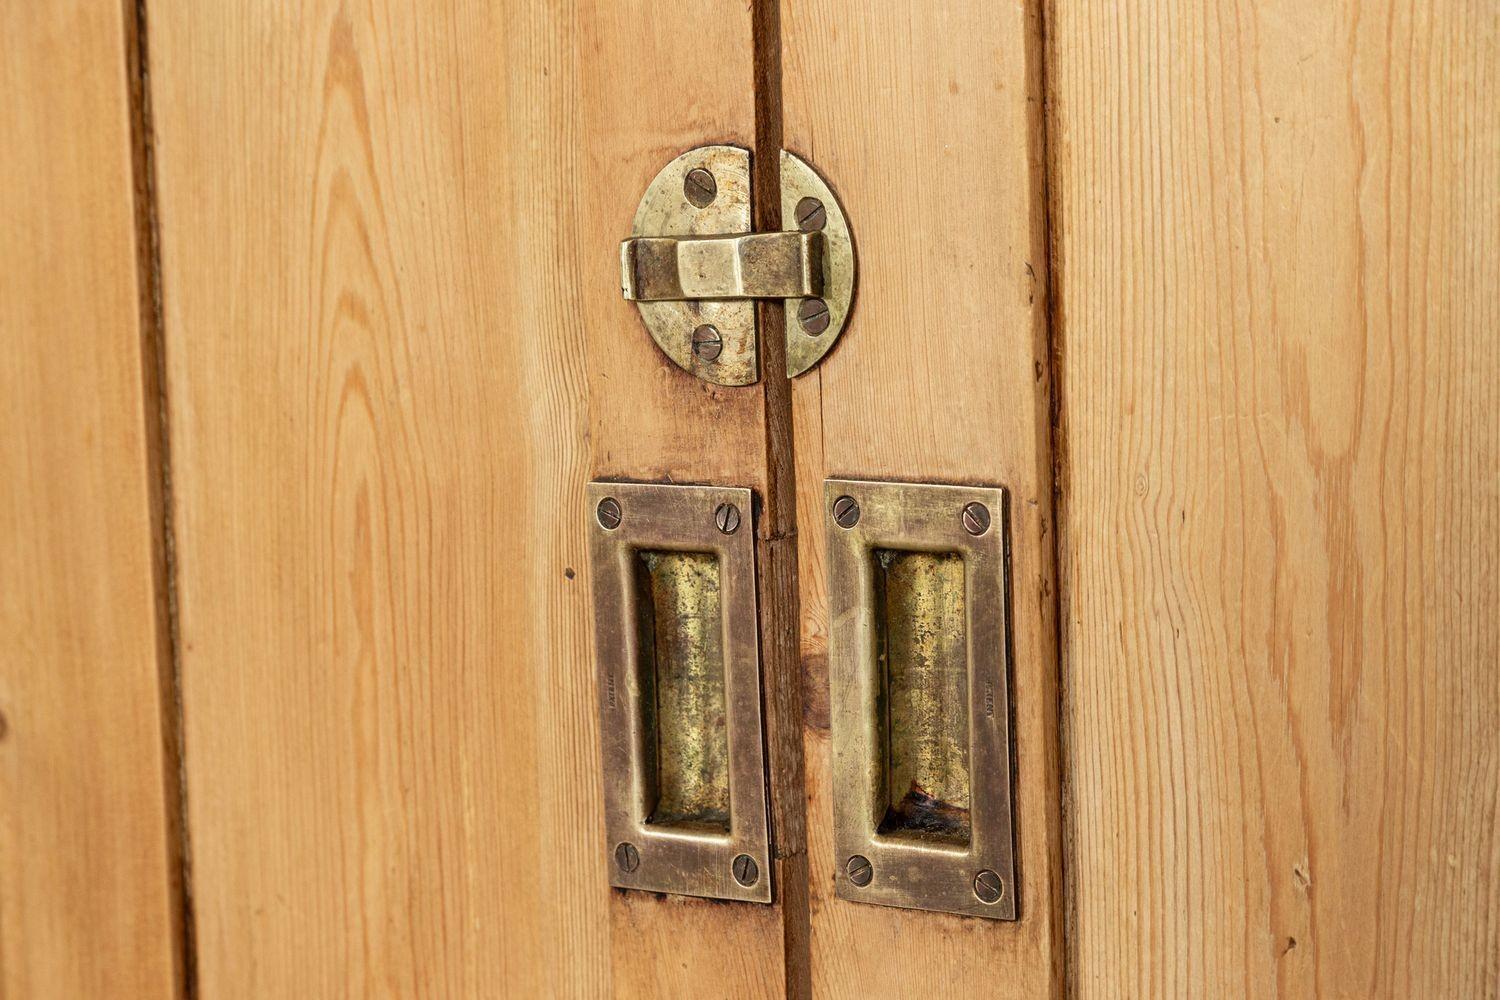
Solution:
(920, 702)
(749, 266)
(809, 201)
(693, 267)
(678, 665)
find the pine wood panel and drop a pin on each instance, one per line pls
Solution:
(369, 217)
(1279, 284)
(660, 79)
(397, 352)
(87, 859)
(926, 120)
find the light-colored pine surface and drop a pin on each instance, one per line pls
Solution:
(86, 867)
(925, 119)
(1278, 264)
(369, 216)
(659, 79)
(397, 352)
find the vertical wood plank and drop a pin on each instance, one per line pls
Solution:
(370, 216)
(660, 79)
(88, 863)
(398, 351)
(926, 120)
(1279, 278)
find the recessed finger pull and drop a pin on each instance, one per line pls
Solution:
(920, 705)
(678, 666)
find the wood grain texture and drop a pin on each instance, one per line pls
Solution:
(369, 217)
(88, 866)
(658, 80)
(1279, 283)
(397, 352)
(926, 120)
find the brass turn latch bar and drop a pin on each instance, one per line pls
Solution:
(747, 266)
(695, 270)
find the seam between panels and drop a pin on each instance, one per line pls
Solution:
(780, 606)
(155, 414)
(1040, 44)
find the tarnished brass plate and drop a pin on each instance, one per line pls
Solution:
(666, 211)
(800, 181)
(694, 269)
(920, 705)
(678, 662)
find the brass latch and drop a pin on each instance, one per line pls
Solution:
(748, 266)
(694, 268)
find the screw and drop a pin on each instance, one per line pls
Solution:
(727, 517)
(813, 314)
(811, 215)
(706, 342)
(627, 857)
(988, 887)
(699, 187)
(859, 870)
(846, 512)
(746, 871)
(608, 513)
(976, 518)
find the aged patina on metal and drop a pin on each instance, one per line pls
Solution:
(920, 704)
(693, 264)
(678, 666)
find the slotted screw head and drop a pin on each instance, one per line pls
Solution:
(727, 517)
(988, 887)
(859, 870)
(746, 871)
(813, 315)
(846, 512)
(627, 857)
(707, 344)
(976, 518)
(699, 187)
(608, 513)
(811, 215)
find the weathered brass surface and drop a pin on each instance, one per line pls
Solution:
(920, 703)
(666, 211)
(692, 262)
(682, 683)
(920, 646)
(798, 183)
(678, 667)
(749, 266)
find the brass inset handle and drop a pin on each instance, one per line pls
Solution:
(678, 664)
(920, 706)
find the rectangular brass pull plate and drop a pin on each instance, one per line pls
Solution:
(920, 704)
(678, 664)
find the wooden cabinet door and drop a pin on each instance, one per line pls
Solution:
(319, 341)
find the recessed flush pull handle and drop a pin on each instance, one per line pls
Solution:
(919, 696)
(678, 665)
(694, 268)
